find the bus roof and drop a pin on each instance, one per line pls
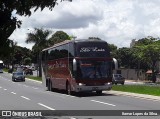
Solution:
(58, 44)
(77, 40)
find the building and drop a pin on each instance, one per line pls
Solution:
(133, 43)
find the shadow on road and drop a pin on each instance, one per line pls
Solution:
(83, 94)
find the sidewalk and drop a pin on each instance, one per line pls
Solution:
(136, 95)
(145, 82)
(134, 82)
(142, 96)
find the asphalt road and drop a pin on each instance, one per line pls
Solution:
(30, 95)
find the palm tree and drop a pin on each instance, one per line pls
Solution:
(40, 38)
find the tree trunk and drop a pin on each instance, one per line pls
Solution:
(39, 64)
(138, 70)
(153, 72)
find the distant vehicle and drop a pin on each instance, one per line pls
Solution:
(28, 71)
(118, 79)
(18, 76)
(1, 71)
(1, 66)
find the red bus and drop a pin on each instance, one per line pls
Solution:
(77, 66)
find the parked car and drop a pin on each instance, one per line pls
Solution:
(1, 70)
(18, 76)
(118, 79)
(28, 71)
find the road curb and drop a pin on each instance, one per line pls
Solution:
(136, 95)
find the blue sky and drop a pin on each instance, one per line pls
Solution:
(115, 21)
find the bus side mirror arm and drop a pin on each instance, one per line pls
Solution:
(74, 65)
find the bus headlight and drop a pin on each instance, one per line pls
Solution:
(81, 84)
(109, 83)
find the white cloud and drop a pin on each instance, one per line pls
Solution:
(116, 21)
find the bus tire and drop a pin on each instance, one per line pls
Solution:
(68, 89)
(99, 92)
(49, 85)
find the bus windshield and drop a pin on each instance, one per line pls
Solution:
(93, 69)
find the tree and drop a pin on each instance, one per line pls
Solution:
(148, 50)
(6, 52)
(40, 38)
(10, 8)
(27, 61)
(113, 50)
(125, 57)
(57, 37)
(7, 45)
(20, 53)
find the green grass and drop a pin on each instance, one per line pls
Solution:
(141, 89)
(5, 69)
(34, 77)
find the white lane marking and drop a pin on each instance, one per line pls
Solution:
(132, 95)
(0, 87)
(13, 93)
(46, 106)
(5, 89)
(25, 98)
(143, 98)
(13, 82)
(103, 103)
(73, 118)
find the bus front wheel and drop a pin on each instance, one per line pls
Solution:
(50, 85)
(99, 92)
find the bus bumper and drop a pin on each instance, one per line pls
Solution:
(81, 88)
